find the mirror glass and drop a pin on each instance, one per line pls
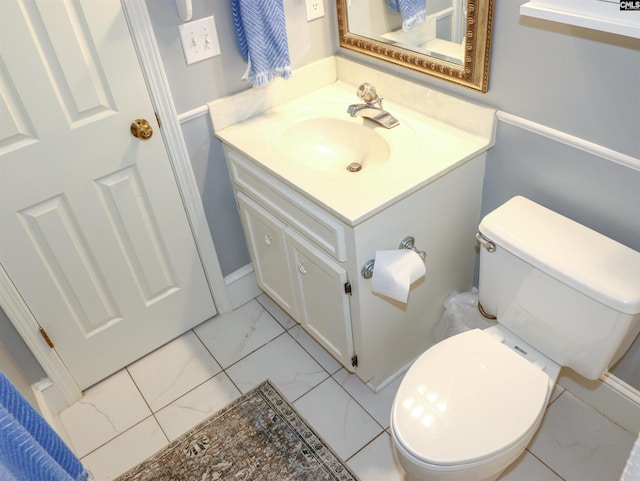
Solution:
(451, 39)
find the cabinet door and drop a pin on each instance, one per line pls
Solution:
(323, 305)
(265, 236)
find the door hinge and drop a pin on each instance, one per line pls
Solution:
(347, 288)
(354, 361)
(46, 337)
(158, 120)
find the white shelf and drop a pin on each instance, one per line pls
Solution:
(594, 14)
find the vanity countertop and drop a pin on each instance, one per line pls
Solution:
(421, 149)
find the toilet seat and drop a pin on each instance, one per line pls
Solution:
(467, 399)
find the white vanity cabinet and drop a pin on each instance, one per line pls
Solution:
(312, 224)
(308, 260)
(296, 250)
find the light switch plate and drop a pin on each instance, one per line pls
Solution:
(199, 40)
(315, 9)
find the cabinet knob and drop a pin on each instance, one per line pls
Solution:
(303, 267)
(268, 240)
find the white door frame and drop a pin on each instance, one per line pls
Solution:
(14, 306)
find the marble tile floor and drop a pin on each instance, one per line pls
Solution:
(129, 416)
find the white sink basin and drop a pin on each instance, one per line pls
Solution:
(331, 145)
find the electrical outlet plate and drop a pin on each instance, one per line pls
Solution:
(315, 9)
(199, 40)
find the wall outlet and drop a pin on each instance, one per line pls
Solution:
(315, 9)
(199, 40)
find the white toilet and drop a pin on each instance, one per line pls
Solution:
(563, 295)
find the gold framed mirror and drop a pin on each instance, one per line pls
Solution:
(368, 27)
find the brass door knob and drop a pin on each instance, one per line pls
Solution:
(141, 129)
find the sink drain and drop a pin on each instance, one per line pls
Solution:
(354, 167)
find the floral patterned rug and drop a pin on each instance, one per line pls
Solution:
(258, 437)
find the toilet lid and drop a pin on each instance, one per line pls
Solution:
(467, 398)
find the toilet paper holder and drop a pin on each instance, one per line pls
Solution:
(406, 243)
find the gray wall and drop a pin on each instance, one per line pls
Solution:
(571, 79)
(24, 369)
(16, 375)
(196, 84)
(583, 83)
(578, 81)
(574, 80)
(192, 86)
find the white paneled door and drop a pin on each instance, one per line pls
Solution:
(93, 232)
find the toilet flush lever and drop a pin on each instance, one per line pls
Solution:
(486, 243)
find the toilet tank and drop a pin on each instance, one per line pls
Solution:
(567, 290)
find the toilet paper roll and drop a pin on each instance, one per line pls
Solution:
(394, 272)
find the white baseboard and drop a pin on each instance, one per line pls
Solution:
(609, 395)
(242, 286)
(50, 402)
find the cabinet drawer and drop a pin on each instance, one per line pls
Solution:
(294, 209)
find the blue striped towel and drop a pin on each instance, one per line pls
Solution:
(261, 30)
(412, 11)
(30, 450)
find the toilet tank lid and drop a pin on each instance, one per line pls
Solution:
(582, 258)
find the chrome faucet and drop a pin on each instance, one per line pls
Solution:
(372, 107)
